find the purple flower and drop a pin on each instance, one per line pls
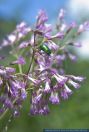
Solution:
(77, 44)
(20, 61)
(24, 44)
(16, 113)
(35, 81)
(74, 84)
(47, 88)
(60, 79)
(9, 40)
(2, 110)
(86, 25)
(65, 92)
(60, 58)
(52, 45)
(59, 35)
(22, 29)
(67, 89)
(72, 57)
(10, 70)
(36, 99)
(33, 110)
(54, 98)
(46, 110)
(70, 27)
(17, 88)
(77, 78)
(2, 72)
(63, 27)
(12, 38)
(47, 28)
(23, 94)
(61, 14)
(41, 19)
(8, 103)
(83, 27)
(36, 110)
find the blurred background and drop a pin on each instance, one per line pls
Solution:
(73, 113)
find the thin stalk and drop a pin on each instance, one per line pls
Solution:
(1, 117)
(16, 55)
(19, 66)
(32, 59)
(6, 111)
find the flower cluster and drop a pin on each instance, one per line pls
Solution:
(42, 50)
(12, 90)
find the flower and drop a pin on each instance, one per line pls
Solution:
(72, 57)
(61, 14)
(77, 78)
(66, 92)
(10, 70)
(22, 29)
(54, 99)
(77, 44)
(24, 44)
(20, 61)
(46, 80)
(47, 88)
(60, 79)
(41, 19)
(74, 84)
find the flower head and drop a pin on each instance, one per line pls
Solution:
(43, 76)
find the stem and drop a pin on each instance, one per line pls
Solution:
(6, 111)
(32, 59)
(16, 55)
(31, 63)
(19, 66)
(3, 114)
(8, 123)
